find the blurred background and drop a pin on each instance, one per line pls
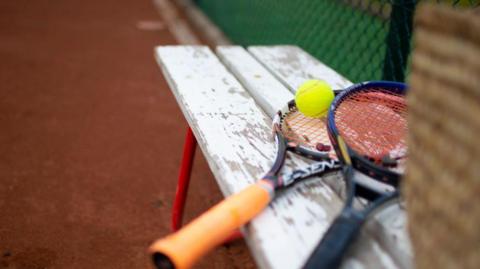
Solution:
(361, 39)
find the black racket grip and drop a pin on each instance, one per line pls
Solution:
(328, 254)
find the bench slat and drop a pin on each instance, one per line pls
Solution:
(292, 66)
(267, 91)
(231, 130)
(235, 137)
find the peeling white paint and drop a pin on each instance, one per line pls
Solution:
(267, 91)
(234, 134)
(293, 66)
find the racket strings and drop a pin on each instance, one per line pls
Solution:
(373, 122)
(306, 131)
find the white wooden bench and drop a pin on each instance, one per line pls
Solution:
(228, 98)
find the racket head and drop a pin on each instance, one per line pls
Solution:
(304, 135)
(370, 117)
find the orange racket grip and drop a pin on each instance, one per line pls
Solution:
(184, 247)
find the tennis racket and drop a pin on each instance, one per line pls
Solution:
(367, 127)
(293, 132)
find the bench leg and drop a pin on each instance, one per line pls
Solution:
(183, 179)
(183, 182)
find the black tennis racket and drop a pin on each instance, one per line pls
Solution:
(367, 126)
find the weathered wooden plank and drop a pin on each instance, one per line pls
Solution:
(384, 240)
(268, 92)
(234, 135)
(225, 119)
(292, 66)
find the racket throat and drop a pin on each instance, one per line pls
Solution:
(316, 168)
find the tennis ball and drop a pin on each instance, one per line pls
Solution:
(314, 97)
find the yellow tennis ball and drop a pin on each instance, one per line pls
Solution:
(314, 97)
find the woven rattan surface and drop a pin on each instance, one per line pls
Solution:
(442, 185)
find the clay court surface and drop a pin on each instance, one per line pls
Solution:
(91, 138)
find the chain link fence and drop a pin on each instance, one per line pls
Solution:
(361, 39)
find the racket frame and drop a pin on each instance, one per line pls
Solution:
(359, 162)
(346, 226)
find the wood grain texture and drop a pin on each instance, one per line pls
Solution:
(292, 66)
(269, 93)
(233, 130)
(228, 125)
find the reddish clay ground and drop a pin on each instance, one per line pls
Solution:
(90, 138)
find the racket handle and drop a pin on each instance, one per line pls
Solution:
(184, 247)
(329, 252)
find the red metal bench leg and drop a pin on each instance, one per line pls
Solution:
(183, 179)
(183, 182)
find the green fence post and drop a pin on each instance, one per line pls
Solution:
(398, 40)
